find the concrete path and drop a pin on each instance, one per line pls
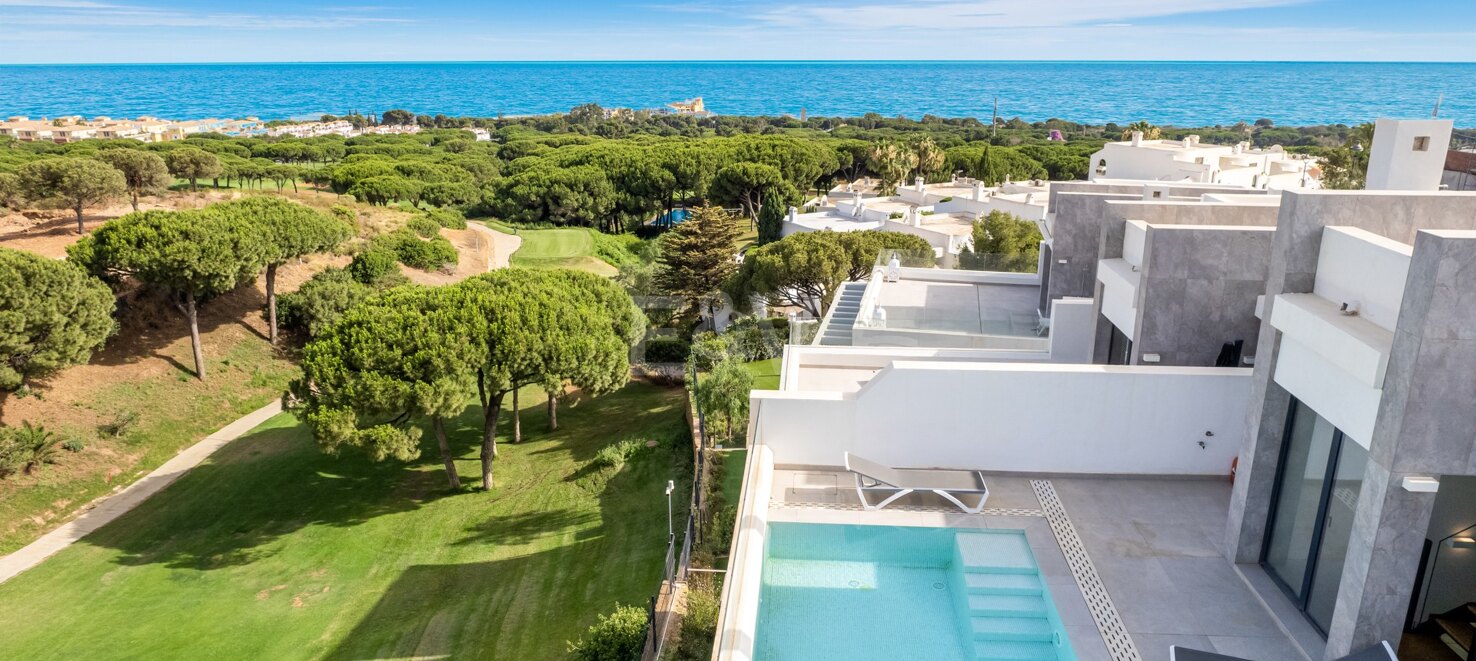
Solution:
(104, 511)
(503, 245)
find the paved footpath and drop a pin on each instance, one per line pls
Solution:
(111, 507)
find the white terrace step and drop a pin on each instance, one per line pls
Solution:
(1020, 584)
(1009, 650)
(1007, 605)
(1012, 628)
(995, 553)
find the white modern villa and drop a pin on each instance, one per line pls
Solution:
(1189, 160)
(942, 213)
(1218, 422)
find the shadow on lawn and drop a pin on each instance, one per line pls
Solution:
(257, 489)
(276, 481)
(568, 566)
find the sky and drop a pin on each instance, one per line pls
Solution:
(108, 31)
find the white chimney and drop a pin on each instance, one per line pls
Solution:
(1029, 198)
(1187, 144)
(919, 183)
(978, 191)
(793, 214)
(1137, 138)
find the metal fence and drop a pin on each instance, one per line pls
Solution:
(659, 609)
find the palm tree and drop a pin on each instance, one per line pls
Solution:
(42, 445)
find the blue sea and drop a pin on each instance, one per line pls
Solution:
(1179, 93)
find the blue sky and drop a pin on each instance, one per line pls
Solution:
(72, 31)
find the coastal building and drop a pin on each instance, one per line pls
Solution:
(313, 129)
(1313, 497)
(943, 213)
(1189, 160)
(693, 107)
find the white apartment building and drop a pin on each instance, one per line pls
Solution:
(1189, 160)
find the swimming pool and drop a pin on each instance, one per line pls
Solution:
(671, 217)
(863, 593)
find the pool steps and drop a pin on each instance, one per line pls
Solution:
(1004, 600)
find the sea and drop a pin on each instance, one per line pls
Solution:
(1175, 93)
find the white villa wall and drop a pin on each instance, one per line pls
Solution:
(1071, 330)
(1092, 419)
(1134, 238)
(1394, 163)
(1347, 403)
(1119, 294)
(1356, 265)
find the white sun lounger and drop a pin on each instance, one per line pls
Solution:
(898, 482)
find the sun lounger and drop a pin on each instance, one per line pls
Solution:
(1379, 652)
(898, 482)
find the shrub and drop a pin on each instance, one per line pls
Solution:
(617, 249)
(668, 350)
(26, 448)
(945, 200)
(427, 255)
(423, 226)
(450, 219)
(614, 455)
(619, 636)
(321, 302)
(372, 265)
(699, 625)
(346, 214)
(895, 215)
(73, 445)
(122, 423)
(415, 252)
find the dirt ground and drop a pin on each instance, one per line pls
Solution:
(474, 256)
(49, 232)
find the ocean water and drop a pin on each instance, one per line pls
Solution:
(1181, 93)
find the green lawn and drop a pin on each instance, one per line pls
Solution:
(273, 550)
(765, 373)
(560, 248)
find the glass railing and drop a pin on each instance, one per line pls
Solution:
(1005, 308)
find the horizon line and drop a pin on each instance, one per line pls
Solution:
(729, 61)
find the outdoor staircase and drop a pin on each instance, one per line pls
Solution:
(1458, 629)
(841, 322)
(1003, 599)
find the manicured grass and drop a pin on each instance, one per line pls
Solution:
(172, 409)
(765, 373)
(273, 550)
(732, 487)
(560, 248)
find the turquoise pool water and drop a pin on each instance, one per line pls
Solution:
(672, 217)
(864, 593)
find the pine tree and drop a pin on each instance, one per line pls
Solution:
(697, 257)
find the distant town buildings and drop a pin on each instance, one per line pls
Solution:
(153, 129)
(144, 129)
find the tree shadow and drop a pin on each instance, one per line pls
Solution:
(148, 323)
(257, 489)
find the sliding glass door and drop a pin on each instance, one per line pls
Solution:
(1316, 495)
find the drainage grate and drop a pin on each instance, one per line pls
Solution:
(1104, 613)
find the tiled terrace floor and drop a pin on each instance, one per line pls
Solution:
(1155, 546)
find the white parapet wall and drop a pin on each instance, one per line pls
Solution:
(1025, 417)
